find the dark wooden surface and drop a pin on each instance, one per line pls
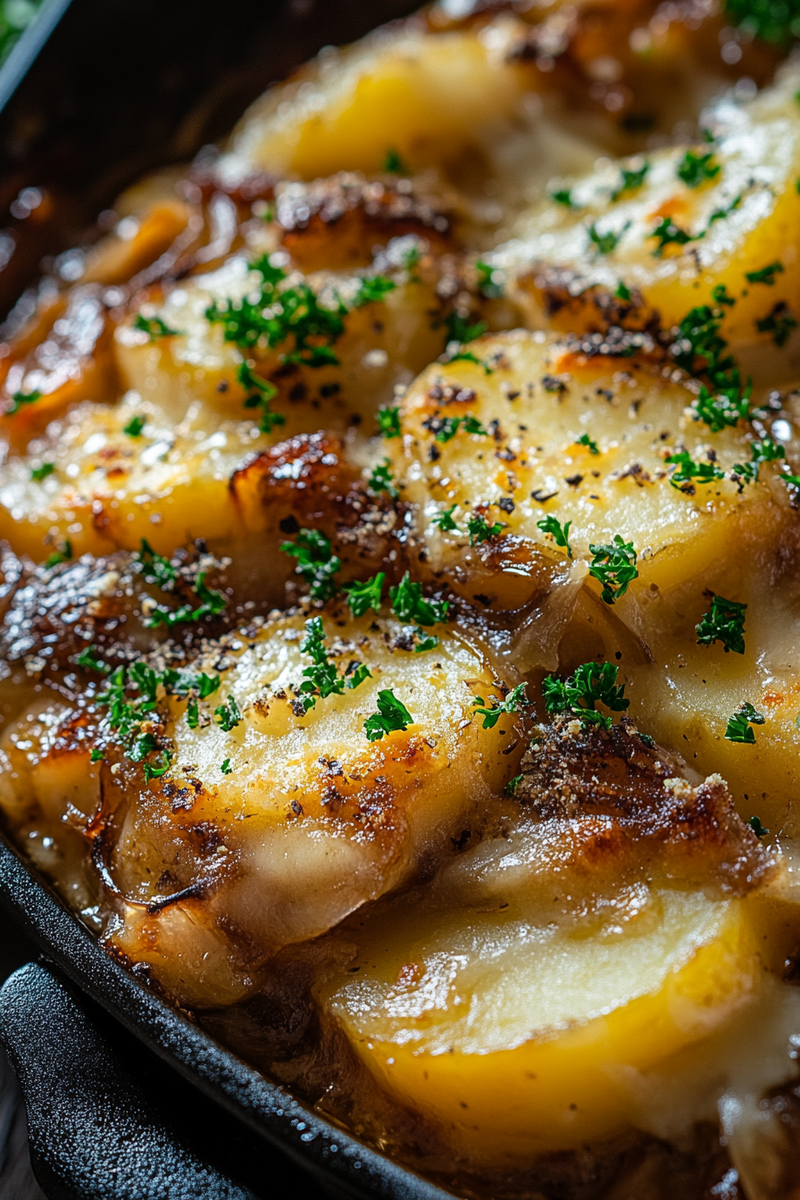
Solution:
(16, 1177)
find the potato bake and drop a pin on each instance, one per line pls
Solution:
(400, 585)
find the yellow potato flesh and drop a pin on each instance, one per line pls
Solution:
(758, 156)
(521, 1039)
(536, 404)
(425, 97)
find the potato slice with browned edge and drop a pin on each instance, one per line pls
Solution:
(577, 432)
(648, 239)
(522, 999)
(270, 823)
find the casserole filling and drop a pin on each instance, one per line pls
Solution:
(400, 620)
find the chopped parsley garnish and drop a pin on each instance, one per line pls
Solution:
(766, 274)
(758, 829)
(88, 659)
(559, 532)
(321, 679)
(721, 295)
(590, 685)
(156, 569)
(260, 394)
(40, 473)
(445, 429)
(389, 421)
(724, 622)
(127, 713)
(409, 604)
(491, 713)
(631, 180)
(153, 772)
(359, 674)
(154, 327)
(96, 756)
(425, 642)
(688, 471)
(490, 280)
(206, 685)
(316, 562)
(727, 407)
(392, 715)
(480, 530)
(382, 480)
(512, 785)
(762, 451)
(622, 291)
(667, 233)
(60, 556)
(225, 766)
(20, 399)
(211, 605)
(614, 565)
(192, 713)
(134, 427)
(373, 290)
(460, 330)
(696, 169)
(779, 323)
(589, 443)
(228, 715)
(605, 243)
(393, 164)
(719, 214)
(738, 727)
(281, 314)
(443, 520)
(562, 196)
(365, 596)
(699, 339)
(775, 21)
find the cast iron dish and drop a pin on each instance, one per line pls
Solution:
(400, 606)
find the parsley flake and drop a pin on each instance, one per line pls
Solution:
(688, 471)
(225, 766)
(316, 562)
(88, 659)
(563, 196)
(260, 394)
(154, 327)
(726, 407)
(696, 169)
(772, 21)
(59, 556)
(724, 622)
(622, 291)
(559, 532)
(631, 180)
(766, 274)
(589, 443)
(20, 399)
(409, 604)
(605, 243)
(738, 727)
(490, 280)
(667, 233)
(443, 520)
(780, 323)
(228, 715)
(480, 530)
(365, 596)
(359, 675)
(134, 427)
(372, 290)
(40, 473)
(96, 756)
(392, 716)
(382, 480)
(590, 684)
(614, 565)
(762, 451)
(512, 785)
(491, 713)
(758, 829)
(389, 421)
(393, 164)
(321, 679)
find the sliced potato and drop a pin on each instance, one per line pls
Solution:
(216, 480)
(426, 97)
(270, 825)
(738, 213)
(519, 998)
(539, 400)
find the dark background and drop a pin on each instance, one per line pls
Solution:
(121, 88)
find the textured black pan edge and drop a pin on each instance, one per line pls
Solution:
(267, 1109)
(26, 51)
